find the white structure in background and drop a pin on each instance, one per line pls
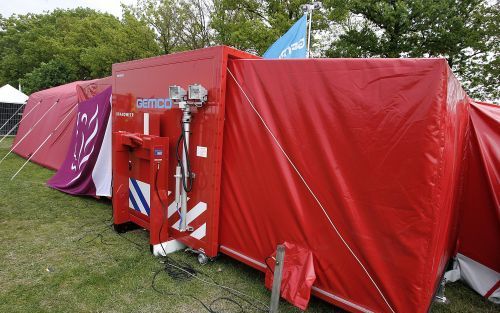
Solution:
(11, 108)
(9, 94)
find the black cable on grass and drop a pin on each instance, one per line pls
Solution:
(86, 208)
(183, 271)
(100, 235)
(138, 246)
(180, 271)
(254, 304)
(95, 235)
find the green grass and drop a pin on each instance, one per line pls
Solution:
(52, 259)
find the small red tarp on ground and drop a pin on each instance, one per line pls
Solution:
(357, 160)
(298, 275)
(44, 117)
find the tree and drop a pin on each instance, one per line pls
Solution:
(77, 44)
(253, 25)
(178, 24)
(118, 41)
(465, 32)
(50, 74)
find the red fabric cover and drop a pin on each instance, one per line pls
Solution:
(92, 88)
(379, 141)
(53, 152)
(298, 275)
(479, 236)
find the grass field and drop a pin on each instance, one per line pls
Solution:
(58, 254)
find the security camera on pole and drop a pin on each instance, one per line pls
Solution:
(308, 10)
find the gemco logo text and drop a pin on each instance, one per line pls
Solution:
(154, 103)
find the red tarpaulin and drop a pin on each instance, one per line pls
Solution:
(357, 160)
(50, 109)
(298, 275)
(479, 235)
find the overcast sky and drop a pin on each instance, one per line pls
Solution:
(9, 7)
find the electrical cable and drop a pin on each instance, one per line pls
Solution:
(182, 137)
(173, 274)
(100, 236)
(182, 271)
(261, 306)
(108, 225)
(179, 270)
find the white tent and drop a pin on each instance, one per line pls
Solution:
(11, 105)
(9, 94)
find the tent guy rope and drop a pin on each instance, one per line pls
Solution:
(43, 143)
(28, 132)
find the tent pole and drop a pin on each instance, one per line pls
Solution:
(22, 118)
(29, 131)
(12, 116)
(41, 145)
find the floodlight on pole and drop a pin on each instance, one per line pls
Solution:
(176, 93)
(308, 9)
(196, 96)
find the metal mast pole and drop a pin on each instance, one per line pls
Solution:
(186, 121)
(309, 33)
(308, 10)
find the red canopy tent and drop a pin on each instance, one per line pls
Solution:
(357, 160)
(479, 232)
(52, 111)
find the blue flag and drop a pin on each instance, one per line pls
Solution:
(293, 44)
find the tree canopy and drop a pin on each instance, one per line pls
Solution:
(465, 32)
(48, 49)
(45, 50)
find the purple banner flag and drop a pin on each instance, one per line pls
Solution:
(77, 174)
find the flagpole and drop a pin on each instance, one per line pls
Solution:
(309, 34)
(308, 10)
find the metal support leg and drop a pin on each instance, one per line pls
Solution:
(278, 273)
(440, 297)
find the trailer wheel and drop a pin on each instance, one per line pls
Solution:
(202, 259)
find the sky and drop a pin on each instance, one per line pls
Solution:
(9, 7)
